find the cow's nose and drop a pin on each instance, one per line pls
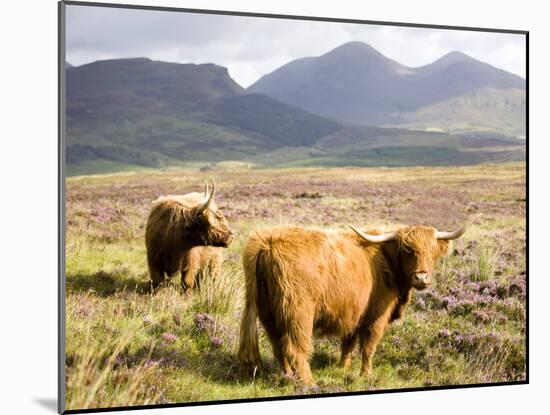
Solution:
(421, 278)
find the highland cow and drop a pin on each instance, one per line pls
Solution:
(198, 263)
(176, 224)
(347, 284)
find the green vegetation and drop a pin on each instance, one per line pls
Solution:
(128, 347)
(485, 109)
(152, 114)
(103, 166)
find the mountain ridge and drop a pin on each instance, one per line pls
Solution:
(127, 113)
(356, 83)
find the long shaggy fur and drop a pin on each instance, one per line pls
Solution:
(198, 263)
(299, 281)
(174, 227)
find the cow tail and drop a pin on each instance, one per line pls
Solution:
(249, 351)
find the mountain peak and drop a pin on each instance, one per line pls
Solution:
(355, 45)
(456, 54)
(355, 55)
(163, 86)
(356, 83)
(354, 49)
(453, 57)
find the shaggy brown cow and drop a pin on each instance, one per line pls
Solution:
(176, 224)
(348, 284)
(198, 262)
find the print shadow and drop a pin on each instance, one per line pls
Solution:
(49, 403)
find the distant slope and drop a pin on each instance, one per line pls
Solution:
(118, 88)
(278, 122)
(156, 113)
(375, 146)
(356, 83)
(479, 110)
(346, 83)
(137, 113)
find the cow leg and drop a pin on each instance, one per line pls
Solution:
(156, 273)
(296, 348)
(370, 340)
(188, 279)
(157, 277)
(275, 338)
(296, 364)
(216, 266)
(189, 270)
(302, 368)
(277, 349)
(347, 346)
(287, 367)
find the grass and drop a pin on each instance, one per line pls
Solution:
(162, 141)
(98, 378)
(128, 347)
(103, 166)
(485, 265)
(220, 295)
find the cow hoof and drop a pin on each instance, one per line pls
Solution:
(366, 372)
(310, 383)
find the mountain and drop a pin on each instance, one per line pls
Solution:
(481, 110)
(355, 83)
(125, 87)
(68, 65)
(135, 113)
(151, 113)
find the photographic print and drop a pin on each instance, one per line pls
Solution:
(266, 207)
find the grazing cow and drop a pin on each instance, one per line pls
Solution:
(197, 262)
(175, 225)
(348, 284)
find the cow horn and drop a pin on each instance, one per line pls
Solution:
(459, 232)
(388, 236)
(208, 197)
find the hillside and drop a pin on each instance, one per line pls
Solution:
(479, 110)
(137, 113)
(155, 113)
(355, 83)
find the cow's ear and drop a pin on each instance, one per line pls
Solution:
(443, 247)
(198, 219)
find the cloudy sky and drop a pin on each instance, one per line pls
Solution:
(251, 47)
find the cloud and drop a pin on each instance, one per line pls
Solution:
(251, 47)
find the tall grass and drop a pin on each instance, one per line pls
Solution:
(490, 362)
(221, 294)
(485, 265)
(99, 379)
(469, 327)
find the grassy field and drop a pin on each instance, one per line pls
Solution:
(128, 347)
